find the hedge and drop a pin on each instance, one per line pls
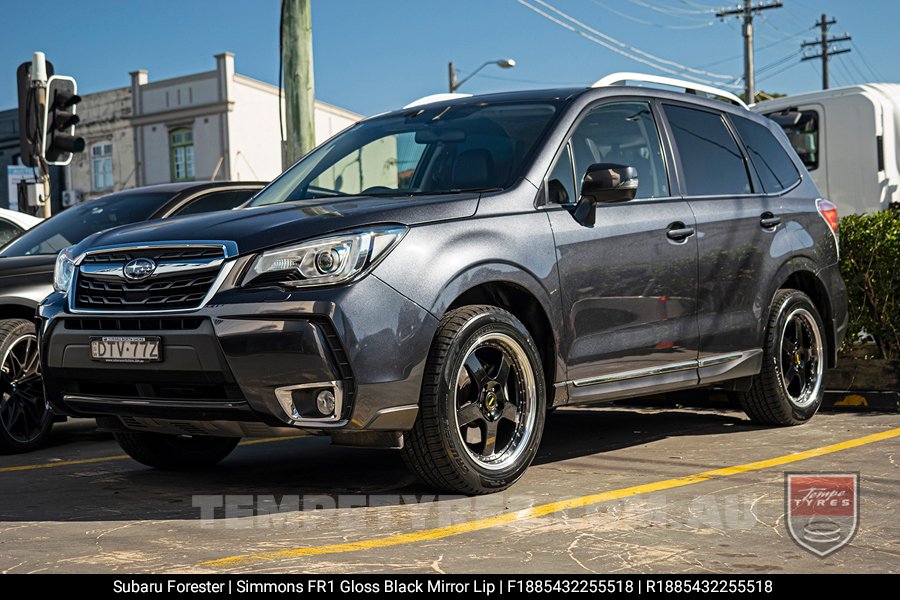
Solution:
(870, 264)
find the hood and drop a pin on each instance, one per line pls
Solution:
(258, 228)
(12, 266)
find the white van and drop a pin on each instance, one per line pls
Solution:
(848, 139)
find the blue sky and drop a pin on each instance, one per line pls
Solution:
(372, 55)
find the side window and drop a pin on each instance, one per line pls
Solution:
(804, 137)
(712, 161)
(561, 180)
(774, 166)
(625, 134)
(8, 231)
(225, 200)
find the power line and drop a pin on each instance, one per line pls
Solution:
(651, 23)
(620, 47)
(673, 11)
(870, 66)
(523, 80)
(768, 76)
(760, 49)
(778, 62)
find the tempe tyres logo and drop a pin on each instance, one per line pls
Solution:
(822, 510)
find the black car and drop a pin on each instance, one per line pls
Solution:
(26, 277)
(436, 278)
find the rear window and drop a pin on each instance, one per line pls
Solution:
(774, 166)
(710, 157)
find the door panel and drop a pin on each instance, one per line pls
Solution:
(628, 291)
(733, 231)
(734, 257)
(629, 282)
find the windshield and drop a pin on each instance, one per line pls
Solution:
(423, 151)
(73, 225)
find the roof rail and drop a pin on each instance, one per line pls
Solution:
(687, 86)
(436, 98)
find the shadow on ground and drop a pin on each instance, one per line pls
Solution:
(125, 490)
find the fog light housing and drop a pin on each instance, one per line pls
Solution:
(325, 402)
(312, 403)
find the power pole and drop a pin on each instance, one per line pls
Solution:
(296, 35)
(452, 74)
(747, 12)
(825, 44)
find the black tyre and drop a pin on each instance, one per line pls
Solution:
(175, 452)
(483, 403)
(25, 417)
(790, 387)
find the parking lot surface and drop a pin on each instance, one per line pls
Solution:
(613, 489)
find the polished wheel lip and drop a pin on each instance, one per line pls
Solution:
(807, 349)
(526, 407)
(20, 375)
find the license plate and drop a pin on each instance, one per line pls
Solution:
(126, 349)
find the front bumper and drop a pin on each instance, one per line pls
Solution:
(226, 360)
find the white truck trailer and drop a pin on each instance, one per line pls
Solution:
(849, 139)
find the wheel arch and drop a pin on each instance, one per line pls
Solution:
(801, 276)
(18, 309)
(522, 296)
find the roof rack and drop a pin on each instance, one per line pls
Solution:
(436, 98)
(688, 86)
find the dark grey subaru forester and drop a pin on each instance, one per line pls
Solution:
(437, 278)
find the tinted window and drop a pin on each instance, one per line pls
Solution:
(425, 151)
(561, 181)
(216, 201)
(623, 134)
(804, 136)
(712, 162)
(73, 225)
(8, 231)
(775, 168)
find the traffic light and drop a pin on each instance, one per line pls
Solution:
(60, 141)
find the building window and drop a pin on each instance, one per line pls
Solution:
(181, 149)
(101, 166)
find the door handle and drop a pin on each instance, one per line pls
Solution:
(769, 221)
(679, 232)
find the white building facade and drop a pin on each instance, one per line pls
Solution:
(213, 125)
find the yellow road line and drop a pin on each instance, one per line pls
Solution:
(543, 509)
(99, 459)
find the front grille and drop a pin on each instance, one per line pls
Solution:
(183, 289)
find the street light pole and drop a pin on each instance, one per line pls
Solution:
(503, 63)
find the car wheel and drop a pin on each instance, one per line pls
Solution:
(790, 387)
(25, 417)
(483, 403)
(175, 452)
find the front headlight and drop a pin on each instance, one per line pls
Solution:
(325, 261)
(64, 270)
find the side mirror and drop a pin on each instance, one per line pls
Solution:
(605, 183)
